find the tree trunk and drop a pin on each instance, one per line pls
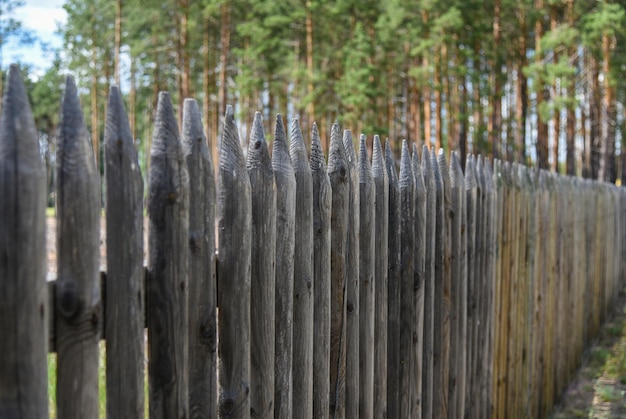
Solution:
(542, 93)
(594, 116)
(607, 158)
(556, 116)
(310, 109)
(438, 93)
(496, 100)
(224, 54)
(426, 88)
(521, 97)
(570, 124)
(118, 40)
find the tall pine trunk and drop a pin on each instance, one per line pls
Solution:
(542, 96)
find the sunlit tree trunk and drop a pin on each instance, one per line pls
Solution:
(541, 92)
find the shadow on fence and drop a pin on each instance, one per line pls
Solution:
(292, 286)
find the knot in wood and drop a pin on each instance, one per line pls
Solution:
(208, 331)
(68, 301)
(350, 307)
(227, 407)
(257, 145)
(172, 197)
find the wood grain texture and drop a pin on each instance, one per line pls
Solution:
(429, 284)
(472, 288)
(338, 173)
(285, 246)
(367, 252)
(442, 287)
(303, 292)
(408, 316)
(418, 284)
(352, 281)
(234, 220)
(322, 200)
(124, 307)
(168, 267)
(458, 290)
(381, 204)
(393, 293)
(262, 281)
(23, 292)
(202, 280)
(78, 305)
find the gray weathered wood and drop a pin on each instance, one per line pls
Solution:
(124, 309)
(367, 252)
(408, 316)
(381, 185)
(352, 282)
(338, 173)
(442, 288)
(418, 284)
(78, 305)
(262, 280)
(393, 293)
(429, 285)
(491, 284)
(285, 244)
(303, 292)
(23, 311)
(234, 220)
(168, 266)
(322, 199)
(458, 296)
(202, 296)
(470, 312)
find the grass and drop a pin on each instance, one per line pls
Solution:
(102, 397)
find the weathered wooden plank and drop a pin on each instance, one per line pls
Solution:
(78, 305)
(443, 278)
(367, 303)
(458, 296)
(408, 316)
(124, 309)
(234, 220)
(393, 293)
(285, 246)
(352, 282)
(429, 285)
(470, 312)
(322, 199)
(418, 284)
(202, 295)
(381, 186)
(23, 292)
(338, 174)
(262, 280)
(168, 267)
(303, 292)
(490, 254)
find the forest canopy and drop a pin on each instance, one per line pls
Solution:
(540, 82)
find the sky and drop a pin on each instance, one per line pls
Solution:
(41, 17)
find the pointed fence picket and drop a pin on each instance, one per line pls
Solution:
(353, 289)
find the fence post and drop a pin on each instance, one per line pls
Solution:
(352, 282)
(125, 274)
(367, 302)
(234, 218)
(429, 285)
(408, 315)
(339, 180)
(262, 278)
(491, 285)
(458, 297)
(168, 267)
(441, 347)
(381, 205)
(202, 282)
(303, 292)
(78, 305)
(285, 244)
(418, 284)
(393, 293)
(322, 196)
(23, 289)
(471, 191)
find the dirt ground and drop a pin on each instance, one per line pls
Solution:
(599, 387)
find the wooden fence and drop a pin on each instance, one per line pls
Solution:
(293, 285)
